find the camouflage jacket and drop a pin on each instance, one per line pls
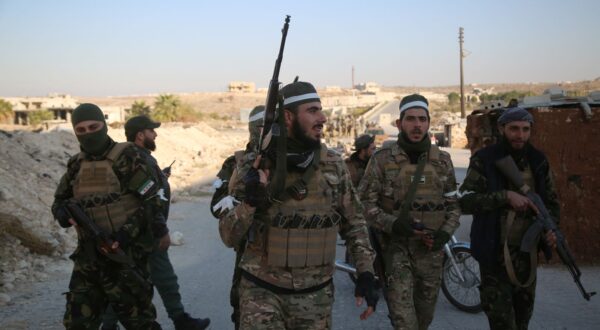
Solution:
(356, 167)
(378, 184)
(138, 227)
(240, 221)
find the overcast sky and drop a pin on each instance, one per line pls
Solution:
(110, 47)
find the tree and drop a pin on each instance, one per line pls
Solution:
(6, 111)
(453, 98)
(139, 108)
(37, 117)
(166, 107)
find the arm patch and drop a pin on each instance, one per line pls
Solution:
(142, 183)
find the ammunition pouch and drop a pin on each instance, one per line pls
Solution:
(303, 241)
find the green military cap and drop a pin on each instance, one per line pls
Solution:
(137, 124)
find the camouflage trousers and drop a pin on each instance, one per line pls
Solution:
(234, 297)
(413, 279)
(94, 285)
(507, 306)
(262, 309)
(164, 279)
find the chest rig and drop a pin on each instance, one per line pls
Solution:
(99, 190)
(427, 206)
(514, 224)
(302, 230)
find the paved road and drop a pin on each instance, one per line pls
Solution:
(204, 267)
(392, 109)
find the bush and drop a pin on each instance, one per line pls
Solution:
(37, 117)
(6, 111)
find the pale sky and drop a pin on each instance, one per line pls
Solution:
(110, 47)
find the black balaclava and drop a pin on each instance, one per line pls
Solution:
(92, 143)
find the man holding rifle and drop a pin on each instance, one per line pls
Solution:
(501, 218)
(295, 201)
(111, 196)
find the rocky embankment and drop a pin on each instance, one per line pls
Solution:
(32, 163)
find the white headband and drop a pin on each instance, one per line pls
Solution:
(297, 98)
(414, 104)
(256, 116)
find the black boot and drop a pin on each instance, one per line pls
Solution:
(186, 322)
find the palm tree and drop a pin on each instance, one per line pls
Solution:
(166, 107)
(139, 108)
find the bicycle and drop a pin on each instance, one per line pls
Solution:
(460, 275)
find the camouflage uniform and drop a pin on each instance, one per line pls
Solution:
(227, 174)
(97, 281)
(296, 295)
(413, 272)
(506, 305)
(356, 167)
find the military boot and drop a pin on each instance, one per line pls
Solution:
(186, 322)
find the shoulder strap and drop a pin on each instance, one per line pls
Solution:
(117, 150)
(434, 152)
(412, 189)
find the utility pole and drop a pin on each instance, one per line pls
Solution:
(353, 77)
(461, 39)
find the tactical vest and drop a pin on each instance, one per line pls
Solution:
(521, 222)
(97, 183)
(428, 205)
(303, 233)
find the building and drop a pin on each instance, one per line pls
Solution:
(242, 87)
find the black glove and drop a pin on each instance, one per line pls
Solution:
(402, 228)
(255, 192)
(440, 238)
(62, 216)
(123, 238)
(365, 287)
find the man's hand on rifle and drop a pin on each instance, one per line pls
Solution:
(550, 239)
(255, 182)
(519, 202)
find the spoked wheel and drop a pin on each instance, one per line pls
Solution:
(462, 293)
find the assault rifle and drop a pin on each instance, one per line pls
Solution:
(104, 244)
(273, 93)
(543, 223)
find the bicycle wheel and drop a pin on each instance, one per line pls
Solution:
(463, 294)
(348, 259)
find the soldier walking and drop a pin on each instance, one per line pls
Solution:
(118, 190)
(294, 206)
(408, 191)
(140, 130)
(364, 146)
(223, 200)
(501, 217)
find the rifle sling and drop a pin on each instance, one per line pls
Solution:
(302, 182)
(508, 260)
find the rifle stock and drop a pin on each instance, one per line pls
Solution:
(543, 223)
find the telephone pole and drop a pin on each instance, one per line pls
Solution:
(461, 39)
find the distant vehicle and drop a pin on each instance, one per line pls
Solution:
(379, 135)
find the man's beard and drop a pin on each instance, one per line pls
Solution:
(149, 144)
(302, 136)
